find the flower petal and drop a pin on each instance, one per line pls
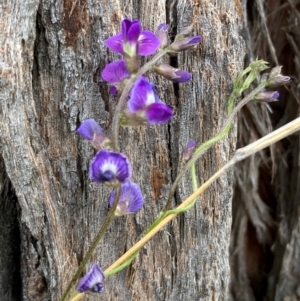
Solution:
(115, 72)
(115, 43)
(89, 128)
(109, 166)
(159, 112)
(142, 95)
(148, 43)
(131, 199)
(134, 32)
(92, 281)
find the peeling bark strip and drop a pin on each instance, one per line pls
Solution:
(50, 52)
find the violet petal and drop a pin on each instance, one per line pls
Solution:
(89, 128)
(134, 32)
(115, 43)
(148, 43)
(159, 112)
(115, 72)
(141, 96)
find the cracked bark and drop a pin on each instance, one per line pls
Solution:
(51, 55)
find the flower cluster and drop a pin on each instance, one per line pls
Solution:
(144, 106)
(112, 169)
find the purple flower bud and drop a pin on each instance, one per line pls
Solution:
(110, 168)
(92, 281)
(184, 44)
(173, 74)
(162, 34)
(267, 96)
(91, 130)
(275, 78)
(131, 199)
(278, 80)
(188, 151)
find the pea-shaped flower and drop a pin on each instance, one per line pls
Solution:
(110, 168)
(133, 40)
(92, 281)
(131, 199)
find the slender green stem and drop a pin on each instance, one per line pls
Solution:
(208, 144)
(100, 234)
(125, 93)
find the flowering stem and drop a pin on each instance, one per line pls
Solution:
(240, 155)
(125, 93)
(208, 144)
(88, 255)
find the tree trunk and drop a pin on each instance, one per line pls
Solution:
(51, 56)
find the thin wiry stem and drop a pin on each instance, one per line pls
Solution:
(90, 252)
(208, 144)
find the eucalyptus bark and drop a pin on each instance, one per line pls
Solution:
(51, 55)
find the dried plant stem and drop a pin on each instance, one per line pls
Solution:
(125, 93)
(240, 154)
(208, 144)
(90, 252)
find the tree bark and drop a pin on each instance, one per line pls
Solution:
(51, 56)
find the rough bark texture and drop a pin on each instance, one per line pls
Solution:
(265, 246)
(51, 55)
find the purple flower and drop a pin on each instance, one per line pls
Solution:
(188, 151)
(115, 73)
(131, 199)
(110, 168)
(133, 40)
(173, 74)
(145, 104)
(92, 281)
(91, 130)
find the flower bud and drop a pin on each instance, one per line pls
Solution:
(162, 34)
(267, 96)
(171, 73)
(188, 151)
(184, 44)
(276, 79)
